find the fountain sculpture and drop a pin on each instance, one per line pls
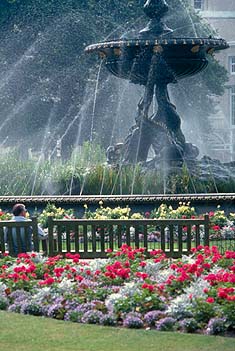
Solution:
(154, 59)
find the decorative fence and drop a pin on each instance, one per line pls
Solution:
(92, 238)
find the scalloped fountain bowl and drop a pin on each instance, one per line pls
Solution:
(131, 59)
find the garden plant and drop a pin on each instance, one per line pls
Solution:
(193, 294)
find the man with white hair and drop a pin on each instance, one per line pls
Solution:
(19, 215)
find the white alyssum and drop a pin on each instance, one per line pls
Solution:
(126, 291)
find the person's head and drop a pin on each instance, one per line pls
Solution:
(19, 210)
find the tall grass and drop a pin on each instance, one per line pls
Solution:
(86, 172)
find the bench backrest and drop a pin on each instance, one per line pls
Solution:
(19, 236)
(91, 238)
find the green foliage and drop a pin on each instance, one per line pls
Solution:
(219, 218)
(52, 211)
(89, 154)
(184, 210)
(203, 311)
(141, 301)
(38, 177)
(228, 310)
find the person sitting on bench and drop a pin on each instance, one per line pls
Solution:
(19, 215)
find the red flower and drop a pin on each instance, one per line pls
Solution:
(210, 300)
(142, 264)
(148, 286)
(141, 275)
(79, 278)
(230, 254)
(216, 227)
(48, 281)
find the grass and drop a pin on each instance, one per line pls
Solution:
(27, 333)
(79, 176)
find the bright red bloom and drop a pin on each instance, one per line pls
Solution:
(216, 227)
(210, 300)
(79, 278)
(230, 254)
(141, 275)
(48, 281)
(142, 264)
(150, 287)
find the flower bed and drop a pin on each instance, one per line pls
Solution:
(222, 226)
(192, 294)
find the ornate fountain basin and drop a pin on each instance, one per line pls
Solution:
(131, 59)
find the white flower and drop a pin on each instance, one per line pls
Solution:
(66, 286)
(3, 287)
(97, 264)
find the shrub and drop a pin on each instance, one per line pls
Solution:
(216, 326)
(133, 320)
(189, 325)
(203, 311)
(32, 309)
(109, 319)
(92, 317)
(3, 303)
(151, 317)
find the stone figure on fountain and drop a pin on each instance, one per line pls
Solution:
(155, 10)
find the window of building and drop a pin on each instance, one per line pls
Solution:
(232, 104)
(198, 4)
(232, 64)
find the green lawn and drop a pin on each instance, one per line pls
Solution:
(27, 333)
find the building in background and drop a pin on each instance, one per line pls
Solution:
(221, 16)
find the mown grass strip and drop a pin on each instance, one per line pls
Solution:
(27, 333)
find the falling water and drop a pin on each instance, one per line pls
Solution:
(189, 16)
(91, 131)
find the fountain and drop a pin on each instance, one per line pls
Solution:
(154, 59)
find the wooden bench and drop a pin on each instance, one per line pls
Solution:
(91, 238)
(25, 240)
